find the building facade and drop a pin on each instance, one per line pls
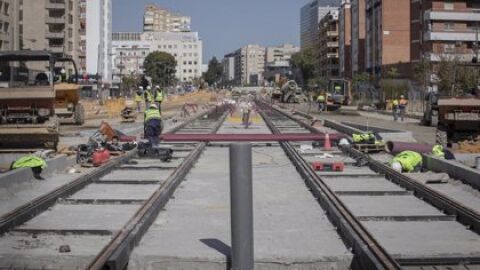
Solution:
(228, 63)
(387, 37)
(50, 25)
(446, 29)
(82, 54)
(249, 65)
(131, 49)
(157, 19)
(327, 52)
(99, 39)
(358, 36)
(9, 25)
(345, 40)
(280, 53)
(310, 16)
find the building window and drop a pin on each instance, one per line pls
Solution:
(449, 48)
(449, 26)
(448, 4)
(189, 62)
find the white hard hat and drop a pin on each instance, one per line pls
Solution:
(140, 87)
(149, 88)
(157, 86)
(343, 141)
(401, 96)
(397, 166)
(153, 106)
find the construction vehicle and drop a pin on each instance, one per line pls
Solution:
(27, 100)
(290, 93)
(456, 116)
(68, 108)
(339, 92)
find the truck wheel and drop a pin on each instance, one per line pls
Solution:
(79, 114)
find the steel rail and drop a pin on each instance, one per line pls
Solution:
(116, 254)
(369, 253)
(32, 208)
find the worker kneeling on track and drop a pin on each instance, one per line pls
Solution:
(153, 127)
(407, 161)
(37, 165)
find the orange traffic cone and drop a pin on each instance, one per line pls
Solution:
(327, 146)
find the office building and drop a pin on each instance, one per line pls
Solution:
(280, 53)
(327, 52)
(345, 39)
(358, 36)
(9, 25)
(158, 19)
(310, 16)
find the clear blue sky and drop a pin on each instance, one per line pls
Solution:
(224, 25)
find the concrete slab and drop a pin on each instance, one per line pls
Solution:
(360, 184)
(81, 218)
(115, 192)
(23, 251)
(425, 239)
(193, 232)
(389, 206)
(349, 171)
(137, 175)
(459, 192)
(152, 163)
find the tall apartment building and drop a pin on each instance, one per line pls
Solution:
(249, 65)
(280, 53)
(130, 50)
(327, 52)
(387, 36)
(358, 36)
(50, 25)
(157, 19)
(9, 22)
(82, 54)
(345, 39)
(99, 39)
(310, 16)
(446, 29)
(228, 64)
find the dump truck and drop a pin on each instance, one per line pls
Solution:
(456, 114)
(27, 100)
(68, 108)
(291, 93)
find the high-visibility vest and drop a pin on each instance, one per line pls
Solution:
(29, 162)
(321, 98)
(395, 102)
(363, 138)
(159, 97)
(138, 97)
(152, 114)
(409, 160)
(149, 96)
(437, 151)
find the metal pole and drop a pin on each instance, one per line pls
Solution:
(241, 205)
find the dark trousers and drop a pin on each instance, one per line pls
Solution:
(153, 129)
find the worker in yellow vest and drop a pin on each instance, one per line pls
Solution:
(395, 109)
(139, 98)
(407, 161)
(153, 124)
(321, 100)
(159, 97)
(37, 165)
(440, 152)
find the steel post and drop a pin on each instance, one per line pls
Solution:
(241, 206)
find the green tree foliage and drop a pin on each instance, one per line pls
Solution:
(130, 83)
(160, 66)
(214, 72)
(304, 62)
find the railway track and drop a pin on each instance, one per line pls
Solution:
(95, 221)
(388, 219)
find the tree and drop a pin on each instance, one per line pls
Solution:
(303, 61)
(129, 83)
(214, 73)
(160, 66)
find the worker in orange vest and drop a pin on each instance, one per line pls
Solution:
(402, 106)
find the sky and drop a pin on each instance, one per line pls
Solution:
(223, 25)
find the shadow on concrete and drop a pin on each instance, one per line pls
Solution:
(220, 247)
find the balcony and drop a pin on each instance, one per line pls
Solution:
(332, 33)
(436, 57)
(56, 49)
(449, 36)
(332, 55)
(55, 20)
(332, 44)
(453, 15)
(55, 4)
(55, 35)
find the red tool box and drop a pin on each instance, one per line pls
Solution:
(328, 166)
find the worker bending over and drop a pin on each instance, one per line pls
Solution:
(37, 165)
(153, 124)
(407, 161)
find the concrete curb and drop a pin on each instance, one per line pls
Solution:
(454, 170)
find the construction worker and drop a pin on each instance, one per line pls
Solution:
(440, 152)
(367, 138)
(395, 109)
(37, 164)
(139, 98)
(148, 95)
(321, 102)
(159, 97)
(407, 161)
(153, 124)
(402, 106)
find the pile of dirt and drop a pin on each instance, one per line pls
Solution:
(471, 146)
